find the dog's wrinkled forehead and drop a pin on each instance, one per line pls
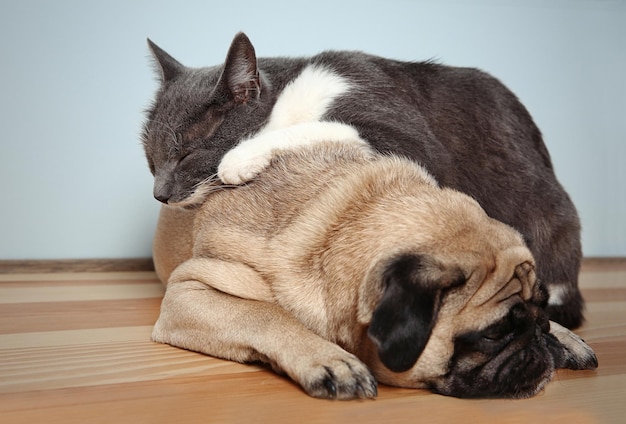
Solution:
(497, 285)
(512, 276)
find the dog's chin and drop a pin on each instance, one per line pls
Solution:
(518, 387)
(514, 376)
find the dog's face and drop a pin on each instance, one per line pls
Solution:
(509, 358)
(469, 327)
(499, 336)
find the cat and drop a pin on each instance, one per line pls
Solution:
(464, 126)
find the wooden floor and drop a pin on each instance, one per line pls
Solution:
(75, 347)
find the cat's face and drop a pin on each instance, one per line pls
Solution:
(198, 115)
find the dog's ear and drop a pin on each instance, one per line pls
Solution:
(405, 315)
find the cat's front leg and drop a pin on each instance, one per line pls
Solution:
(252, 156)
(247, 160)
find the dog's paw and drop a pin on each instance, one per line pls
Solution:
(241, 165)
(573, 352)
(340, 377)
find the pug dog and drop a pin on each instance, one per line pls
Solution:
(341, 267)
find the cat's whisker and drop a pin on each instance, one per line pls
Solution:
(211, 179)
(209, 185)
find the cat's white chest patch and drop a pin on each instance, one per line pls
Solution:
(295, 121)
(307, 98)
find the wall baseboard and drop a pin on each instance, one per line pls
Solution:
(75, 265)
(146, 264)
(604, 264)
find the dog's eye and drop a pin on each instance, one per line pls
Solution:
(498, 333)
(494, 335)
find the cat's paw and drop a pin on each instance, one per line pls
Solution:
(239, 166)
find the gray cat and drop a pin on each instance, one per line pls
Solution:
(466, 128)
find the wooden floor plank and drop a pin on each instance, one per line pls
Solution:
(75, 347)
(54, 316)
(79, 293)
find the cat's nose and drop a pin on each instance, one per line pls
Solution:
(162, 198)
(162, 190)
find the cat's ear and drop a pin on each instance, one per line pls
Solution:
(240, 78)
(169, 67)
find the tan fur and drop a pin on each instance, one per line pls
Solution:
(287, 269)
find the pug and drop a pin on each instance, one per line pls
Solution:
(341, 267)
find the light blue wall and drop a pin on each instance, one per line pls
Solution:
(75, 78)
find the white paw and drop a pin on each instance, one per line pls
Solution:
(239, 166)
(577, 354)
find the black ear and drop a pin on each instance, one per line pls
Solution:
(169, 67)
(404, 318)
(240, 78)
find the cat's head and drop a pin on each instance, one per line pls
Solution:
(198, 115)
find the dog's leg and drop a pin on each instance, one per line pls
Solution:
(197, 317)
(247, 284)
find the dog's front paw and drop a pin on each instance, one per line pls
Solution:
(242, 165)
(572, 351)
(340, 377)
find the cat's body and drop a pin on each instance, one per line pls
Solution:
(468, 130)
